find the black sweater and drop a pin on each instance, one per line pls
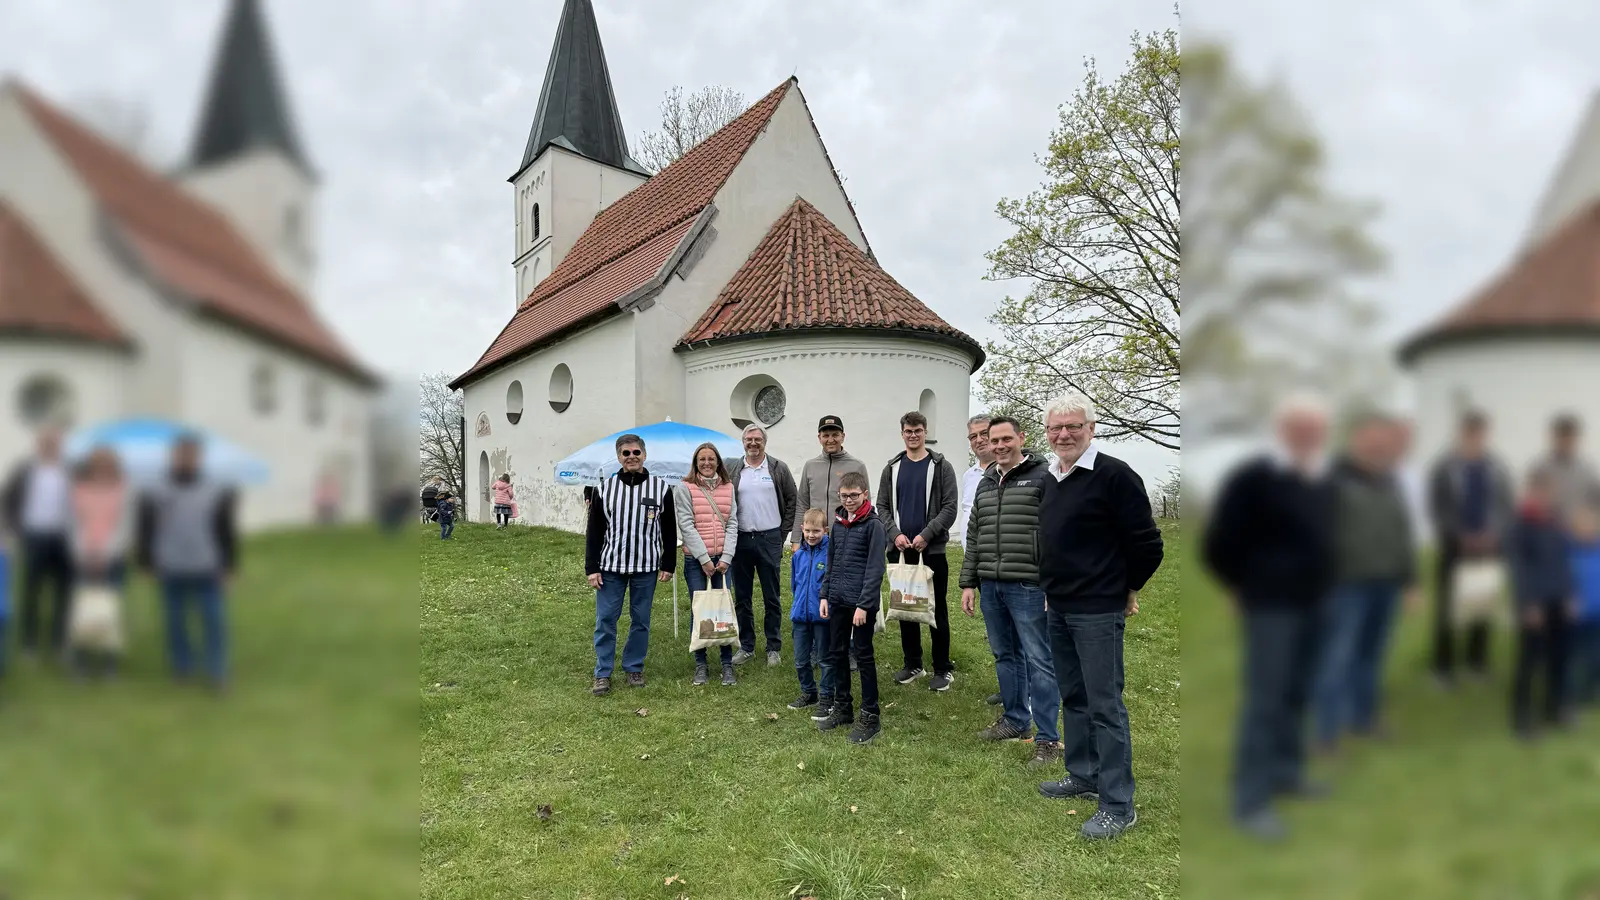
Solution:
(1271, 537)
(1097, 538)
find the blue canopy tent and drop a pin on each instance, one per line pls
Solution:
(144, 448)
(669, 449)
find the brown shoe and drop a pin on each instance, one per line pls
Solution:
(602, 687)
(635, 679)
(1045, 753)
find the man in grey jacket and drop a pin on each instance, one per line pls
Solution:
(819, 479)
(765, 498)
(919, 498)
(1573, 482)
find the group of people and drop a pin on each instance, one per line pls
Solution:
(1318, 550)
(1055, 552)
(76, 531)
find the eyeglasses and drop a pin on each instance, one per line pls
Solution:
(914, 432)
(1076, 428)
(852, 495)
(631, 453)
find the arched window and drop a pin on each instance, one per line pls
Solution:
(316, 402)
(514, 402)
(535, 218)
(264, 390)
(929, 407)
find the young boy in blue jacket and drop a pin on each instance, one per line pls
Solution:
(852, 587)
(1541, 567)
(806, 568)
(1586, 577)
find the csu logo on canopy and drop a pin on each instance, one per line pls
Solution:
(568, 474)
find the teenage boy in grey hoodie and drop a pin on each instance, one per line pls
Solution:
(819, 478)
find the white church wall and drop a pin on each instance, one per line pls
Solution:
(868, 381)
(785, 161)
(1521, 384)
(579, 189)
(231, 373)
(91, 379)
(600, 363)
(533, 241)
(271, 203)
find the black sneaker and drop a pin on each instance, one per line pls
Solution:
(1003, 730)
(1067, 789)
(727, 675)
(994, 700)
(601, 687)
(866, 729)
(824, 707)
(839, 716)
(701, 676)
(1106, 825)
(941, 683)
(908, 675)
(803, 701)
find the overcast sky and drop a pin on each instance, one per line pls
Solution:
(1452, 114)
(417, 112)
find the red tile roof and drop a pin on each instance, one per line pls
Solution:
(1555, 287)
(38, 297)
(666, 203)
(806, 274)
(188, 244)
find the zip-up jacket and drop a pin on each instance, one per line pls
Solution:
(856, 562)
(944, 501)
(806, 569)
(819, 486)
(1003, 533)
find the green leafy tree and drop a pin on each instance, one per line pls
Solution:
(1100, 243)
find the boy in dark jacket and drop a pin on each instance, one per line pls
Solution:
(851, 588)
(1586, 576)
(1541, 569)
(811, 638)
(447, 515)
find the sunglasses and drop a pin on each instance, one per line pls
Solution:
(631, 453)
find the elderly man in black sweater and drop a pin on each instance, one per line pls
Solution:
(1270, 542)
(1099, 545)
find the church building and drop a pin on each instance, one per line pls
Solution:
(735, 286)
(128, 292)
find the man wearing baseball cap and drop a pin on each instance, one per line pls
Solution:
(819, 479)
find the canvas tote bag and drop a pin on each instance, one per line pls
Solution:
(96, 619)
(910, 593)
(1480, 585)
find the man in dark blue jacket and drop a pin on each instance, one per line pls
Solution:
(851, 590)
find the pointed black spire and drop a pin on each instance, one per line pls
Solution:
(577, 109)
(245, 107)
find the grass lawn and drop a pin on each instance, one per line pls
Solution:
(1453, 808)
(299, 783)
(727, 789)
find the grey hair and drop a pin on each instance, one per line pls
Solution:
(630, 439)
(1069, 402)
(752, 427)
(985, 419)
(1303, 403)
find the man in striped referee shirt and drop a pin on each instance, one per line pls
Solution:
(632, 545)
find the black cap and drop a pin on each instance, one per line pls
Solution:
(829, 422)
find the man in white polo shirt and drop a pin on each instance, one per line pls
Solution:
(978, 441)
(766, 494)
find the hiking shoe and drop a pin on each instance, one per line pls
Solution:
(866, 729)
(742, 657)
(824, 707)
(853, 666)
(994, 700)
(701, 676)
(908, 675)
(635, 679)
(1003, 730)
(602, 687)
(839, 716)
(803, 701)
(727, 675)
(1106, 825)
(1067, 788)
(773, 658)
(941, 683)
(1045, 753)
(1263, 825)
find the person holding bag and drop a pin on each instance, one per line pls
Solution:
(102, 531)
(708, 520)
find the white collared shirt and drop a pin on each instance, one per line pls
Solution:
(758, 497)
(969, 491)
(46, 507)
(1086, 461)
(1319, 466)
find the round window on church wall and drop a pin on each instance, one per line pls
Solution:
(769, 405)
(561, 388)
(42, 399)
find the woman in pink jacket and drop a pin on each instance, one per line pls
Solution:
(503, 502)
(708, 525)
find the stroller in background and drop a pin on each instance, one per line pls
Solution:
(430, 504)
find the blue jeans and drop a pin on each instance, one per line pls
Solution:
(641, 591)
(1087, 649)
(1280, 649)
(446, 526)
(811, 641)
(1013, 615)
(180, 592)
(696, 577)
(1357, 621)
(1585, 678)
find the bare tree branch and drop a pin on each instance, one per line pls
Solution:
(685, 122)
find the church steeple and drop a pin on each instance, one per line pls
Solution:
(577, 108)
(245, 107)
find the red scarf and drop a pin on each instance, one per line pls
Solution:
(861, 513)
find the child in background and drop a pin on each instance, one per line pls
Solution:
(447, 515)
(502, 501)
(1541, 569)
(806, 568)
(1586, 576)
(852, 588)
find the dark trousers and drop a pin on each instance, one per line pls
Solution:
(1280, 648)
(446, 526)
(695, 578)
(812, 640)
(846, 637)
(1444, 630)
(1586, 662)
(911, 632)
(45, 558)
(1542, 651)
(1087, 649)
(180, 593)
(758, 553)
(1357, 622)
